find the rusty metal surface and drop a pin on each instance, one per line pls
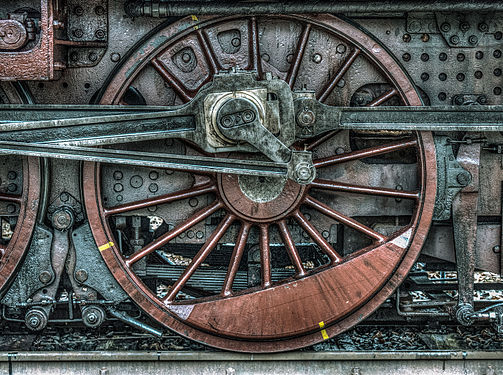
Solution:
(39, 62)
(237, 261)
(245, 201)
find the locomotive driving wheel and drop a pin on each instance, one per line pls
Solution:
(19, 197)
(263, 264)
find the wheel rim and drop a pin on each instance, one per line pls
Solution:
(312, 304)
(19, 197)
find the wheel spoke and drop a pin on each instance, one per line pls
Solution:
(166, 237)
(317, 237)
(320, 140)
(291, 249)
(202, 254)
(253, 48)
(265, 256)
(236, 256)
(352, 223)
(361, 154)
(299, 54)
(194, 191)
(209, 54)
(327, 90)
(358, 189)
(383, 98)
(173, 82)
(11, 198)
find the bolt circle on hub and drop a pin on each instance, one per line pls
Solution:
(285, 233)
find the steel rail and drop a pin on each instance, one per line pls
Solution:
(419, 362)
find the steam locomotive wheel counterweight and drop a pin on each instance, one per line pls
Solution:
(235, 231)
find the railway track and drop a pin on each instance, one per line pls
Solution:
(159, 362)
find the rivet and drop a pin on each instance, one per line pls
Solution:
(99, 34)
(317, 58)
(445, 27)
(78, 33)
(454, 39)
(115, 57)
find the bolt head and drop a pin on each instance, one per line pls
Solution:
(306, 117)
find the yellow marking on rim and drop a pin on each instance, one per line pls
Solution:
(323, 330)
(105, 246)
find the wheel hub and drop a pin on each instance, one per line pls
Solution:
(260, 199)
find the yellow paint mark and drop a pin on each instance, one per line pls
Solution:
(194, 18)
(105, 246)
(323, 330)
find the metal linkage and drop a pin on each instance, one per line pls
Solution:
(161, 9)
(233, 113)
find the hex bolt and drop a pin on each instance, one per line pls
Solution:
(445, 27)
(306, 117)
(425, 37)
(11, 175)
(99, 10)
(406, 57)
(464, 26)
(497, 54)
(442, 76)
(92, 56)
(496, 249)
(99, 34)
(479, 55)
(442, 56)
(406, 38)
(81, 275)
(425, 76)
(304, 173)
(483, 27)
(118, 175)
(463, 178)
(482, 99)
(36, 319)
(11, 208)
(93, 316)
(425, 57)
(454, 39)
(78, 33)
(459, 99)
(78, 11)
(62, 218)
(45, 277)
(473, 39)
(74, 56)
